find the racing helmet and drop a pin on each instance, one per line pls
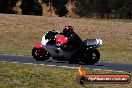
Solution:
(67, 29)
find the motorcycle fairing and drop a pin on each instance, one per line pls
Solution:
(44, 40)
(61, 40)
(59, 52)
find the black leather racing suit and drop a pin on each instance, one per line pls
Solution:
(75, 40)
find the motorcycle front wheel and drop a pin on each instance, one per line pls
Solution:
(40, 54)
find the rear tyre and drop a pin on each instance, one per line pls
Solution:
(40, 54)
(91, 57)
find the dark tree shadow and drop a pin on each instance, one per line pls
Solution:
(31, 7)
(6, 6)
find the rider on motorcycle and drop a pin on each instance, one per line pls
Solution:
(73, 38)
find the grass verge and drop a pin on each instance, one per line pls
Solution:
(36, 76)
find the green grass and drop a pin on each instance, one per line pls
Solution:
(35, 76)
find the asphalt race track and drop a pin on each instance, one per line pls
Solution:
(102, 65)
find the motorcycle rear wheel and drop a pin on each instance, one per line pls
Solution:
(40, 54)
(91, 57)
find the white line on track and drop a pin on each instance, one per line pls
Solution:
(66, 67)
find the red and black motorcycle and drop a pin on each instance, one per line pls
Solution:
(67, 48)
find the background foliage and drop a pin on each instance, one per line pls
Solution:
(84, 8)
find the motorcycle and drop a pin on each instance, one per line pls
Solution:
(56, 45)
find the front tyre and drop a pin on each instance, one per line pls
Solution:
(40, 54)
